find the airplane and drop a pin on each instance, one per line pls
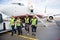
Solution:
(16, 9)
(20, 9)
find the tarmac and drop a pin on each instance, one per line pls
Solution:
(49, 32)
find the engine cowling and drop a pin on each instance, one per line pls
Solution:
(50, 18)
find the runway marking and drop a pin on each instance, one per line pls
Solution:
(26, 37)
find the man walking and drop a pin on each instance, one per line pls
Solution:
(19, 26)
(12, 23)
(33, 25)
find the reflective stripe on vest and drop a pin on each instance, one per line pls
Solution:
(34, 21)
(26, 20)
(12, 21)
(18, 23)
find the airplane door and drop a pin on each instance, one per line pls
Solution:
(1, 24)
(1, 19)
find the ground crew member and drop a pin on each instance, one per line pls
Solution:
(12, 23)
(19, 26)
(27, 20)
(33, 25)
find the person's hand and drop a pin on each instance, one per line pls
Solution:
(35, 25)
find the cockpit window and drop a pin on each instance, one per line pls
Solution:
(21, 4)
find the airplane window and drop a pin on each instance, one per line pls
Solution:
(1, 20)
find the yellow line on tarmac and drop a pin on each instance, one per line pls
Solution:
(26, 37)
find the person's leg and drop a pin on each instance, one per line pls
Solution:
(25, 26)
(32, 29)
(20, 29)
(35, 28)
(12, 30)
(34, 32)
(28, 28)
(15, 31)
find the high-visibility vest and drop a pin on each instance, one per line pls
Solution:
(26, 20)
(34, 21)
(18, 22)
(12, 21)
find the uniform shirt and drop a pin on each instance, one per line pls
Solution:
(12, 21)
(26, 20)
(18, 22)
(34, 21)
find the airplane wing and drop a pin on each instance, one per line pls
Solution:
(56, 15)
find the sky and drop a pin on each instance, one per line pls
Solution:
(52, 6)
(55, 4)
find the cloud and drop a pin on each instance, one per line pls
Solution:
(53, 6)
(48, 3)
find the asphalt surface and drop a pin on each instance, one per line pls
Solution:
(49, 32)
